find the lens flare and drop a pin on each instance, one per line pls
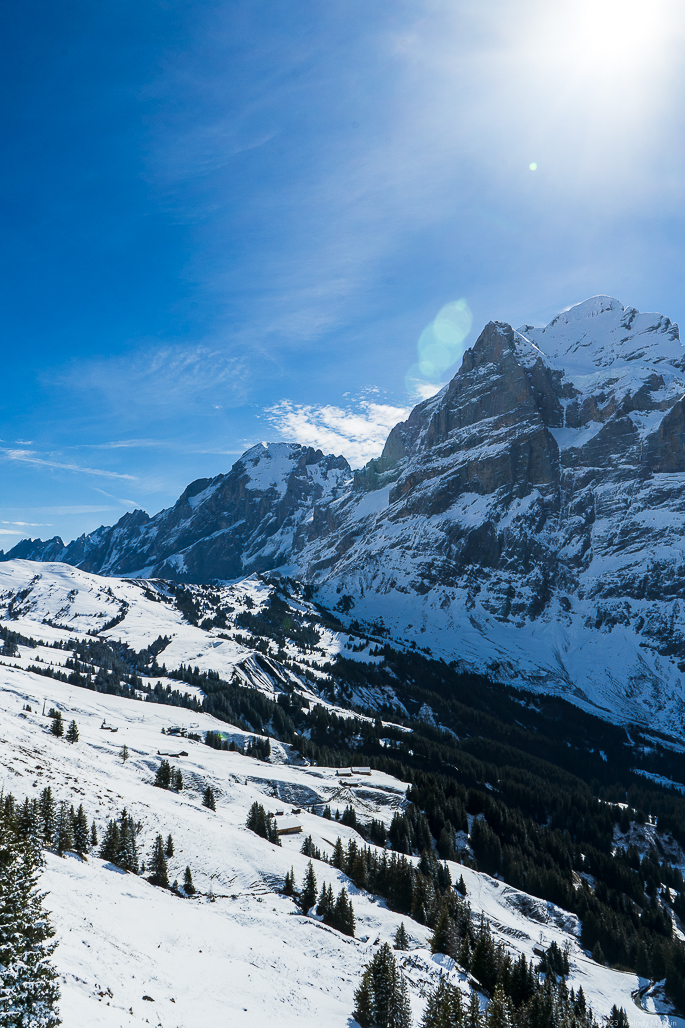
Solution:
(440, 345)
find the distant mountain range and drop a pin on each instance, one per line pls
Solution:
(528, 520)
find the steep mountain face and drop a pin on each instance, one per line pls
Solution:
(527, 521)
(224, 527)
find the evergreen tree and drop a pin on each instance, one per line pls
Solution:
(597, 953)
(289, 883)
(188, 886)
(443, 940)
(401, 938)
(29, 990)
(473, 1018)
(81, 833)
(163, 776)
(381, 1000)
(326, 903)
(500, 1013)
(93, 835)
(263, 824)
(127, 848)
(110, 844)
(338, 858)
(308, 894)
(342, 917)
(169, 848)
(618, 1018)
(178, 780)
(208, 798)
(47, 816)
(57, 726)
(72, 732)
(158, 866)
(444, 1008)
(124, 754)
(64, 837)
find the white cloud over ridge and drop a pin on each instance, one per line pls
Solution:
(357, 431)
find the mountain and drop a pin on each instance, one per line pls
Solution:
(219, 528)
(526, 522)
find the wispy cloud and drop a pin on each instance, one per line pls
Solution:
(358, 431)
(9, 531)
(125, 444)
(163, 380)
(66, 511)
(30, 457)
(119, 499)
(29, 524)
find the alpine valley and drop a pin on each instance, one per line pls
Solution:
(396, 746)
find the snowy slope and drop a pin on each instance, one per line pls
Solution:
(239, 952)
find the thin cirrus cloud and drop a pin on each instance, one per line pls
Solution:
(164, 379)
(31, 457)
(358, 431)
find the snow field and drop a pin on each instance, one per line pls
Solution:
(240, 950)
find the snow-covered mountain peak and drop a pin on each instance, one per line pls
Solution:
(270, 465)
(601, 333)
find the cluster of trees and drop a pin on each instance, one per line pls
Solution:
(262, 823)
(277, 621)
(337, 912)
(119, 844)
(169, 777)
(382, 999)
(30, 991)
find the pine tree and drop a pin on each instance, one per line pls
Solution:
(29, 990)
(47, 815)
(444, 1008)
(381, 1000)
(308, 894)
(289, 883)
(178, 780)
(326, 903)
(124, 754)
(72, 732)
(163, 776)
(169, 848)
(81, 834)
(64, 837)
(473, 1017)
(597, 953)
(208, 798)
(401, 938)
(93, 835)
(110, 844)
(338, 858)
(57, 726)
(443, 940)
(188, 886)
(158, 866)
(499, 1013)
(618, 1017)
(127, 849)
(342, 917)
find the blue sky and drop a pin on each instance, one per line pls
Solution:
(231, 221)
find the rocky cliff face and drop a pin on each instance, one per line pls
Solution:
(527, 521)
(223, 527)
